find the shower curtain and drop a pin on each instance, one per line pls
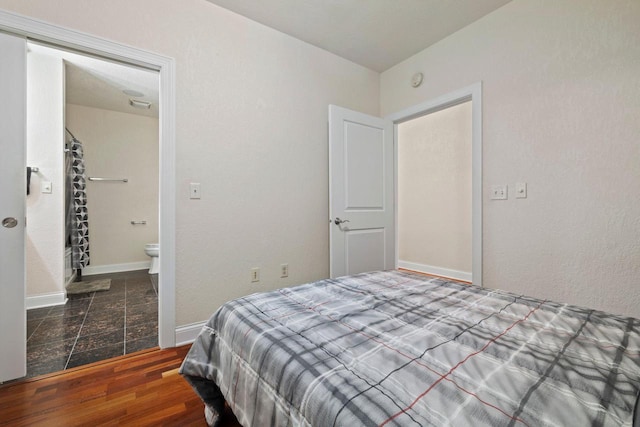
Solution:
(76, 201)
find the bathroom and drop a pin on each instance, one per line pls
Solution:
(79, 313)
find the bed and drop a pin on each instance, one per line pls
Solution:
(394, 348)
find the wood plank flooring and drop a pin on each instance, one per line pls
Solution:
(138, 390)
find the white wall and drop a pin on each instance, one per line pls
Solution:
(560, 112)
(434, 192)
(251, 119)
(118, 145)
(45, 212)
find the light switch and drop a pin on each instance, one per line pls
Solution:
(498, 192)
(45, 187)
(194, 190)
(521, 190)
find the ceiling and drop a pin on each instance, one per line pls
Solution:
(377, 34)
(100, 83)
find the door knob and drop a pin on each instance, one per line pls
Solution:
(339, 221)
(9, 222)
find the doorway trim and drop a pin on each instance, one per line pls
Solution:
(471, 93)
(61, 37)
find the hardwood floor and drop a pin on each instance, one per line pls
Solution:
(139, 389)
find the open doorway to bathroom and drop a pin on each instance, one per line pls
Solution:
(89, 294)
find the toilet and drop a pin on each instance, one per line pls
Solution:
(153, 250)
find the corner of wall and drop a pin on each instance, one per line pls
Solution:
(45, 140)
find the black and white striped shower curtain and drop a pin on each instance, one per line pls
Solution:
(78, 217)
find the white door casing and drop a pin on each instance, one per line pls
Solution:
(361, 192)
(471, 93)
(13, 101)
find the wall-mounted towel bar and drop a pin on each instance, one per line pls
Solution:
(92, 178)
(143, 222)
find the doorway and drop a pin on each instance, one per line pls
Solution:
(377, 135)
(39, 31)
(434, 193)
(472, 94)
(93, 158)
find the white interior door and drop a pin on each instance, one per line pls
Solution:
(13, 98)
(361, 192)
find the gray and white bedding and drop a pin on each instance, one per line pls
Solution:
(400, 349)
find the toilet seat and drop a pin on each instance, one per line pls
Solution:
(153, 250)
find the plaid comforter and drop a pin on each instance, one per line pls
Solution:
(400, 349)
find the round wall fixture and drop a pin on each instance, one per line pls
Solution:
(416, 79)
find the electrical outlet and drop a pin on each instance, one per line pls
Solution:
(284, 270)
(498, 192)
(255, 274)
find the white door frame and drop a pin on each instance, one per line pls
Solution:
(471, 93)
(41, 31)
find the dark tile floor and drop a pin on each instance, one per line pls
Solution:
(94, 326)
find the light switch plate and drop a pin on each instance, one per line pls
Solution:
(521, 190)
(498, 192)
(45, 187)
(194, 190)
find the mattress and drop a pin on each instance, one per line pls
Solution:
(394, 348)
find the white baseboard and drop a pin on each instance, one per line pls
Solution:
(436, 271)
(115, 268)
(45, 300)
(187, 334)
